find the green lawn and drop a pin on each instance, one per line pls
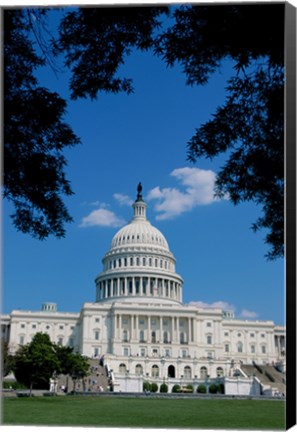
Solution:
(145, 412)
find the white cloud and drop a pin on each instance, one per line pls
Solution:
(199, 190)
(102, 217)
(215, 305)
(123, 199)
(248, 314)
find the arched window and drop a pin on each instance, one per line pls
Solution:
(155, 371)
(220, 372)
(122, 368)
(187, 372)
(203, 372)
(171, 371)
(138, 369)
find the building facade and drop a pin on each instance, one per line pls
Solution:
(139, 324)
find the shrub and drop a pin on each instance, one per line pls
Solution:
(213, 388)
(176, 388)
(14, 385)
(154, 387)
(163, 388)
(190, 388)
(221, 388)
(201, 388)
(146, 386)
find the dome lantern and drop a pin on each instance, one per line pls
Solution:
(139, 205)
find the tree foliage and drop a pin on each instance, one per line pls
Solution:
(248, 129)
(6, 359)
(36, 362)
(96, 41)
(35, 134)
(41, 359)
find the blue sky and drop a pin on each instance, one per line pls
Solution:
(142, 137)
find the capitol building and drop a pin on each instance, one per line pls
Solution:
(139, 328)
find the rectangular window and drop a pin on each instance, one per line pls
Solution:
(71, 342)
(253, 350)
(22, 325)
(155, 352)
(60, 341)
(263, 348)
(208, 324)
(226, 348)
(97, 320)
(22, 340)
(208, 340)
(61, 327)
(126, 352)
(97, 334)
(33, 326)
(142, 352)
(141, 321)
(252, 335)
(226, 334)
(167, 353)
(184, 353)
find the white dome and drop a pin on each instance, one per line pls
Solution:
(139, 233)
(139, 263)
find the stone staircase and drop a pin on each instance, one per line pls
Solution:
(268, 375)
(96, 381)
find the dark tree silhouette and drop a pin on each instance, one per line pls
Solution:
(36, 362)
(248, 128)
(35, 135)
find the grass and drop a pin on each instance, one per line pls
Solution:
(145, 412)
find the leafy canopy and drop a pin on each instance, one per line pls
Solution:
(248, 129)
(35, 363)
(35, 135)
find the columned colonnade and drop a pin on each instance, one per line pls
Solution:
(146, 286)
(166, 329)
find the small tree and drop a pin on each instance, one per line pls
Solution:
(201, 388)
(36, 362)
(221, 388)
(146, 386)
(154, 387)
(78, 367)
(190, 388)
(176, 388)
(213, 388)
(6, 359)
(164, 388)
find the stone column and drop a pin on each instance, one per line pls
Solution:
(148, 328)
(190, 329)
(161, 329)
